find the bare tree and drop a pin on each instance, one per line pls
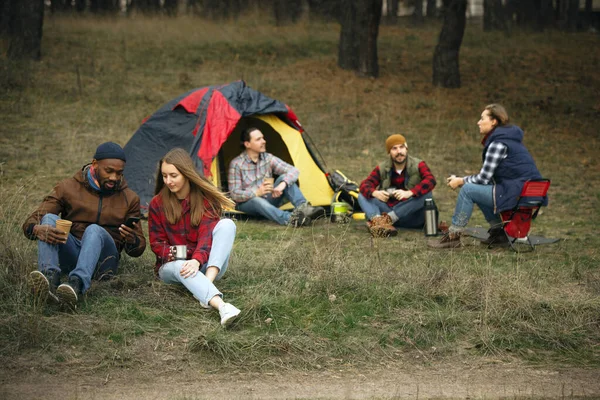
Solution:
(494, 18)
(360, 21)
(391, 7)
(25, 29)
(446, 71)
(568, 14)
(287, 11)
(431, 9)
(418, 12)
(4, 15)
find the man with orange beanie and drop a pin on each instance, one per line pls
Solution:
(394, 194)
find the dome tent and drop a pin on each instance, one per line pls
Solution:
(208, 123)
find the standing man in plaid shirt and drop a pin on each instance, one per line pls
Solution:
(394, 194)
(256, 195)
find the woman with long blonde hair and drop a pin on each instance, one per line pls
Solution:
(186, 210)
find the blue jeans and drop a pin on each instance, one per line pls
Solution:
(268, 207)
(200, 286)
(80, 258)
(470, 194)
(410, 212)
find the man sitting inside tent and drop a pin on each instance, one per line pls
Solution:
(255, 192)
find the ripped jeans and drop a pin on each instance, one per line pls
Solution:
(469, 195)
(80, 258)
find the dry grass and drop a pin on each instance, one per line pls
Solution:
(333, 296)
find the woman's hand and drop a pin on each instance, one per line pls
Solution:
(455, 182)
(189, 268)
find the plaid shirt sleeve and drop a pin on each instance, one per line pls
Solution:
(237, 191)
(495, 153)
(289, 172)
(369, 185)
(427, 182)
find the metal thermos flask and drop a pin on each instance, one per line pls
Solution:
(431, 218)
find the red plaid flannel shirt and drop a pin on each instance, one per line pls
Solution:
(163, 235)
(369, 185)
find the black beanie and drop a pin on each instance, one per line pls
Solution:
(109, 150)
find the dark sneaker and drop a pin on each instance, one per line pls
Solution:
(450, 240)
(69, 293)
(310, 211)
(381, 226)
(496, 237)
(298, 219)
(44, 286)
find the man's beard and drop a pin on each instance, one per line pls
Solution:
(115, 187)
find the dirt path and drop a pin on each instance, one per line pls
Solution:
(489, 381)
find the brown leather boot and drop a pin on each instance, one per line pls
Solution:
(450, 240)
(381, 226)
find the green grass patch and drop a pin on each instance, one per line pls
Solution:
(323, 296)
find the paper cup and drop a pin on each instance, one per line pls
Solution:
(269, 181)
(64, 225)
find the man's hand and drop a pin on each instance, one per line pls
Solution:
(278, 191)
(127, 233)
(455, 182)
(189, 268)
(400, 194)
(381, 195)
(264, 189)
(50, 234)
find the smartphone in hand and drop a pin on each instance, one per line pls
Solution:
(131, 220)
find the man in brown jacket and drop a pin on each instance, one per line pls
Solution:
(98, 203)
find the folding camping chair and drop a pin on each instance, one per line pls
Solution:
(517, 222)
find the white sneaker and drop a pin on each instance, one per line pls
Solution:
(228, 313)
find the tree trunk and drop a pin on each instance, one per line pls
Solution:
(358, 37)
(573, 18)
(287, 11)
(418, 12)
(446, 71)
(25, 29)
(494, 18)
(587, 21)
(431, 9)
(369, 12)
(391, 7)
(5, 6)
(348, 46)
(544, 14)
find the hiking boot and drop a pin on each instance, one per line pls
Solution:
(450, 240)
(44, 285)
(298, 218)
(310, 211)
(496, 237)
(69, 293)
(228, 313)
(381, 226)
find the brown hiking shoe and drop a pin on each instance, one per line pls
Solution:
(381, 226)
(450, 240)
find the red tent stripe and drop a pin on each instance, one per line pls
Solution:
(191, 102)
(221, 119)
